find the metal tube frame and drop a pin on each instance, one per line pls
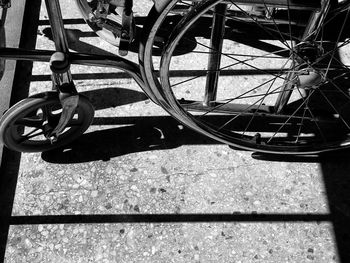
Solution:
(214, 58)
(57, 27)
(61, 44)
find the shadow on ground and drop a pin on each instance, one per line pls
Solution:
(335, 167)
(336, 176)
(139, 134)
(134, 134)
(142, 134)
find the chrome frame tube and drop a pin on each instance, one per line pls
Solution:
(115, 61)
(57, 26)
(214, 58)
(316, 19)
(61, 44)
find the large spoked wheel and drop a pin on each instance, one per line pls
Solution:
(266, 78)
(23, 126)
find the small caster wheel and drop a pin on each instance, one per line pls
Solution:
(24, 126)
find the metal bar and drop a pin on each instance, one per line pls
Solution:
(317, 17)
(291, 4)
(315, 22)
(82, 59)
(57, 26)
(25, 54)
(61, 44)
(116, 62)
(229, 108)
(214, 60)
(75, 58)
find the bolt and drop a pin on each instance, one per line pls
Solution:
(53, 139)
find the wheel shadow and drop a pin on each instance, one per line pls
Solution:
(146, 133)
(113, 97)
(139, 135)
(133, 134)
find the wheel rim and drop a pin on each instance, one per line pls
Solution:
(295, 96)
(26, 126)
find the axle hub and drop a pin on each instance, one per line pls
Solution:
(308, 52)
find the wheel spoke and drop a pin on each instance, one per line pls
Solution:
(258, 95)
(267, 30)
(204, 72)
(335, 109)
(337, 87)
(30, 122)
(307, 108)
(243, 62)
(32, 134)
(271, 81)
(260, 104)
(241, 96)
(275, 24)
(291, 116)
(245, 110)
(301, 123)
(246, 55)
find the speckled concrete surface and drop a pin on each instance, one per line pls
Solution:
(188, 179)
(158, 167)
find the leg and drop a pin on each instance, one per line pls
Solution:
(60, 66)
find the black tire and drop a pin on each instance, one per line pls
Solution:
(22, 126)
(281, 88)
